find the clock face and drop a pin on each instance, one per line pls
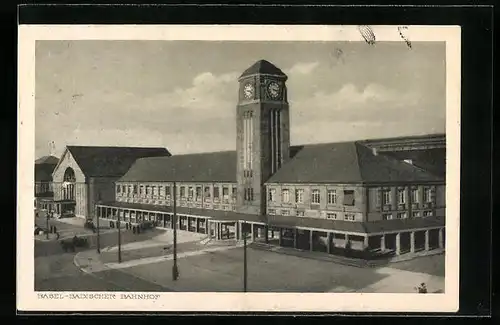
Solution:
(248, 91)
(273, 89)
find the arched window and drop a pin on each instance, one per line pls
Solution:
(68, 186)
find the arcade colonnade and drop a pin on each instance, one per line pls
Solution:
(320, 240)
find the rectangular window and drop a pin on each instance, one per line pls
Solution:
(300, 213)
(427, 213)
(135, 189)
(315, 198)
(387, 216)
(162, 191)
(414, 195)
(118, 189)
(190, 193)
(285, 212)
(216, 192)
(386, 197)
(123, 189)
(198, 192)
(299, 196)
(349, 217)
(225, 193)
(206, 193)
(155, 191)
(427, 195)
(272, 195)
(141, 190)
(415, 214)
(129, 190)
(401, 215)
(148, 190)
(285, 195)
(332, 216)
(167, 191)
(182, 192)
(234, 192)
(349, 197)
(401, 196)
(332, 197)
(271, 212)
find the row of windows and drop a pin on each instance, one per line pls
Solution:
(329, 215)
(404, 215)
(315, 196)
(428, 196)
(189, 192)
(248, 195)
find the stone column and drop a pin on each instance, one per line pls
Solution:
(412, 242)
(252, 231)
(398, 243)
(266, 234)
(441, 237)
(311, 240)
(295, 238)
(197, 220)
(328, 242)
(346, 240)
(280, 235)
(382, 242)
(366, 242)
(427, 240)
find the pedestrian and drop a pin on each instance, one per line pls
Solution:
(422, 288)
(57, 234)
(55, 229)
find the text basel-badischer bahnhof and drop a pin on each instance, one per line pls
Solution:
(380, 195)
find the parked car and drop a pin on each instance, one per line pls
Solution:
(72, 244)
(148, 224)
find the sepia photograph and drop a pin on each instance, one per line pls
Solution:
(251, 164)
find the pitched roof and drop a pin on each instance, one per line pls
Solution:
(51, 160)
(346, 162)
(110, 161)
(200, 167)
(264, 67)
(43, 172)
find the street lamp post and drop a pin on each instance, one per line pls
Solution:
(47, 232)
(244, 233)
(97, 217)
(175, 269)
(119, 239)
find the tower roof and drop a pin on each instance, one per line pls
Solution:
(263, 67)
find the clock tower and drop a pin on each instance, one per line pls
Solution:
(263, 133)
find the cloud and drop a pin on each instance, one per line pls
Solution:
(350, 103)
(302, 68)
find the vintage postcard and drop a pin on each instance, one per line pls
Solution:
(238, 168)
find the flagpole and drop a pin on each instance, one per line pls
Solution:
(175, 270)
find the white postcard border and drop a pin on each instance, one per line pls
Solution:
(27, 299)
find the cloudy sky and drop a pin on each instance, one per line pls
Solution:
(182, 94)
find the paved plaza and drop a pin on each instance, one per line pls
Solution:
(220, 269)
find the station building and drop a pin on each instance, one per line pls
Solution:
(384, 195)
(86, 174)
(44, 193)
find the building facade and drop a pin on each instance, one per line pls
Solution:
(44, 192)
(86, 175)
(319, 197)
